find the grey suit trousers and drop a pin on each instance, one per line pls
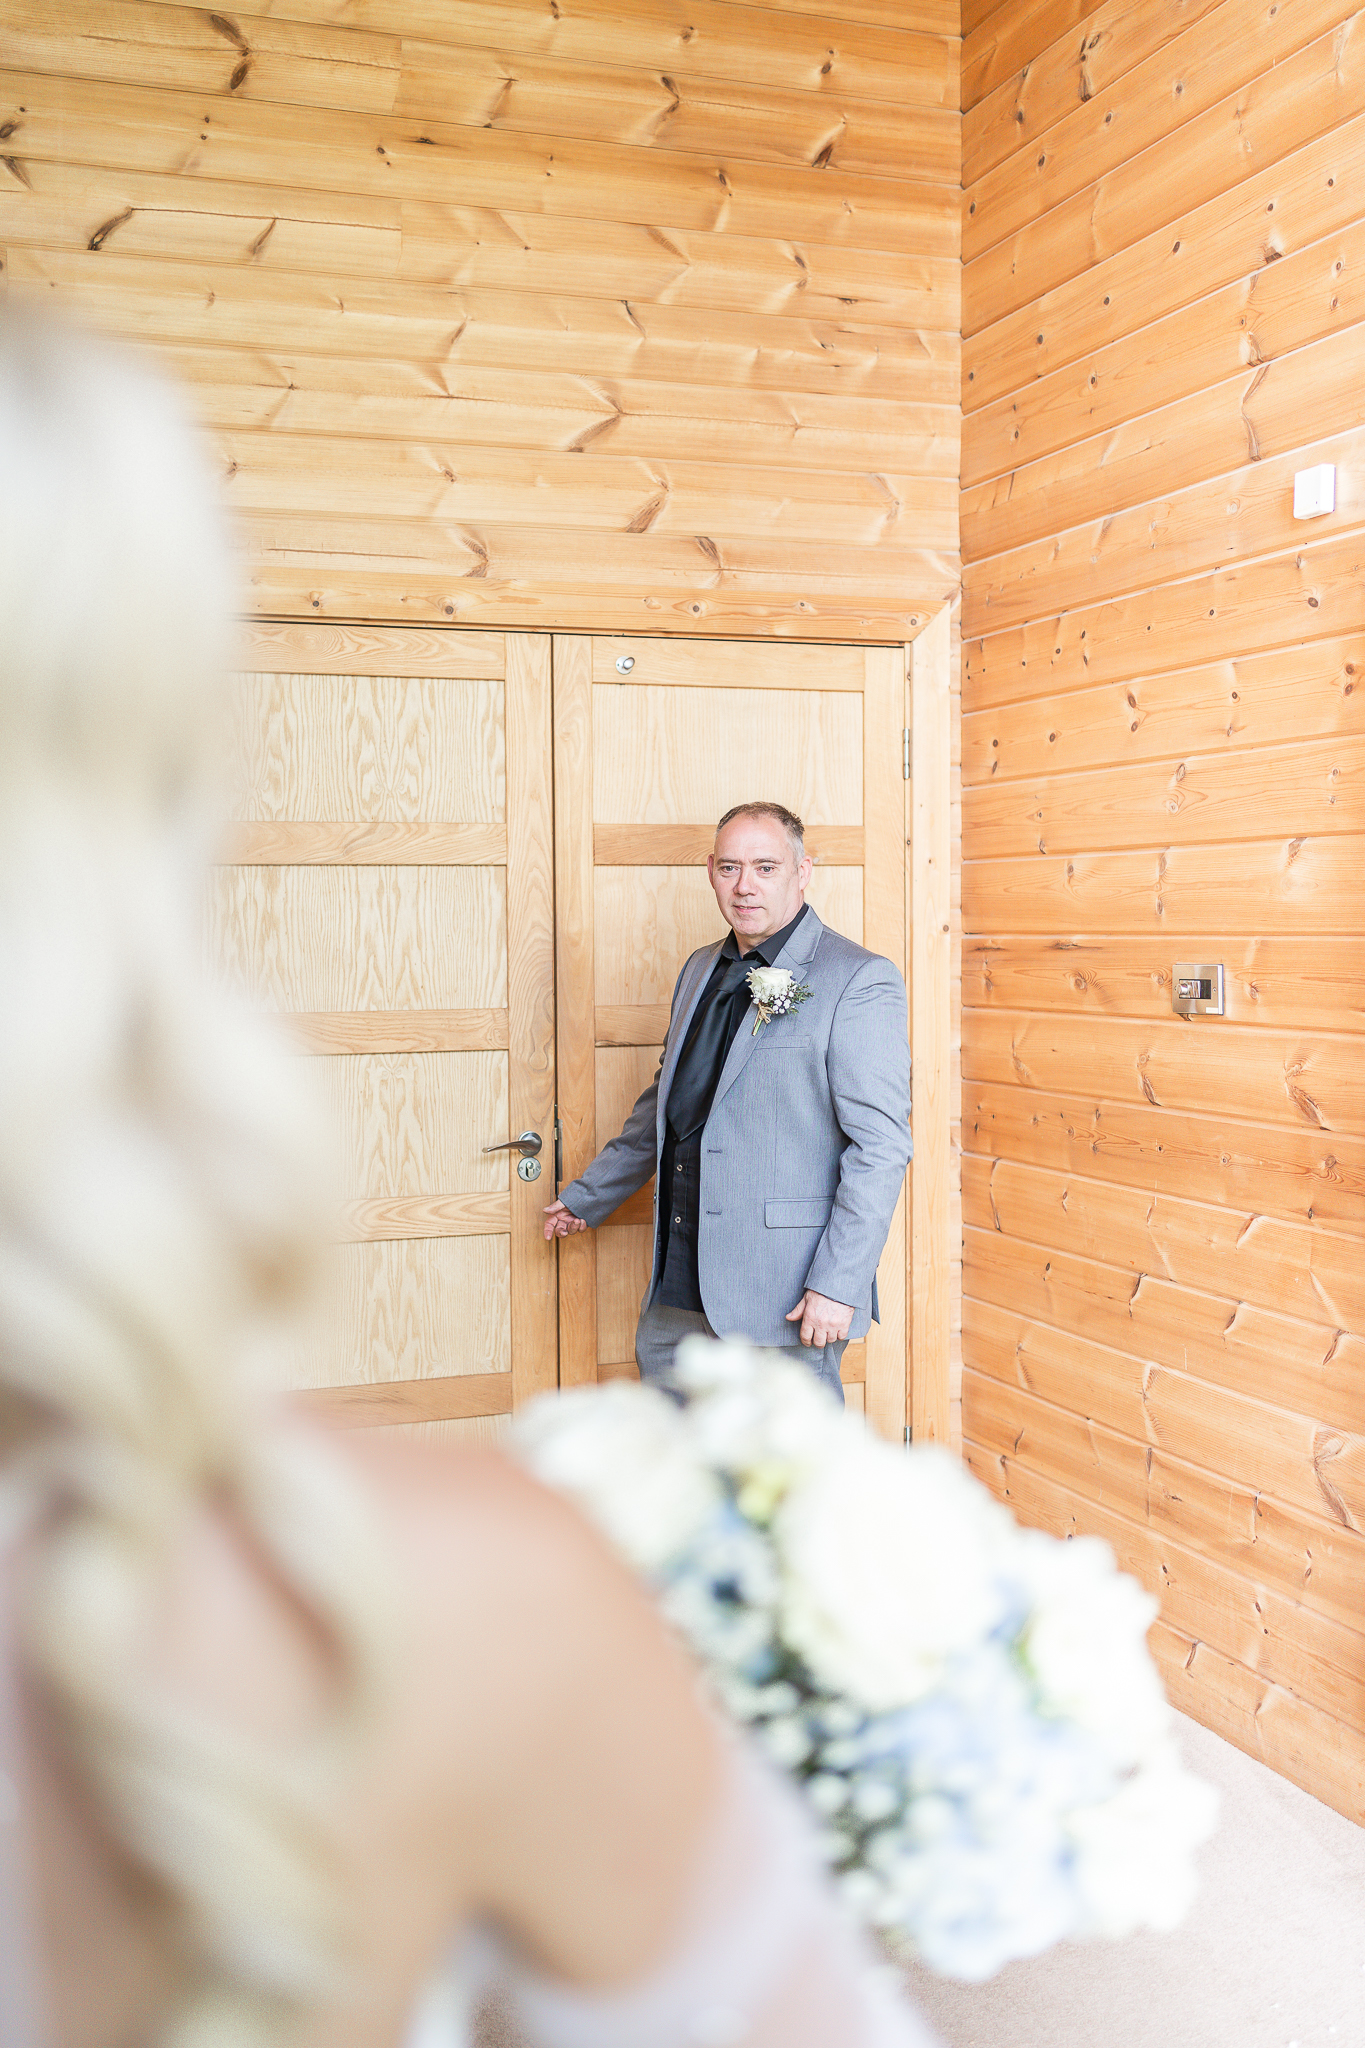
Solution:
(661, 1330)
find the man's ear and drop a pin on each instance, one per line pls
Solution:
(805, 869)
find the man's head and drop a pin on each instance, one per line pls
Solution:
(759, 870)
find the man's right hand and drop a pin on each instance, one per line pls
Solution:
(561, 1222)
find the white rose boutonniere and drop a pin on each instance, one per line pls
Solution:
(776, 991)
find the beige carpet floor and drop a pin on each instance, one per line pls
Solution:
(1272, 1955)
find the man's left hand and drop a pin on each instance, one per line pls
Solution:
(822, 1321)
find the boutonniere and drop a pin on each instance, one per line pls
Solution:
(776, 991)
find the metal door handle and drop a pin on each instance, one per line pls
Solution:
(528, 1144)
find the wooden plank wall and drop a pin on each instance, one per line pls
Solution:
(1164, 318)
(598, 314)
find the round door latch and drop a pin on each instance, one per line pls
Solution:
(625, 663)
(528, 1169)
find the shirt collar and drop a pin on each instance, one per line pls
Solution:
(767, 950)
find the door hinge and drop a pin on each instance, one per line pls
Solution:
(559, 1150)
(908, 1438)
(905, 752)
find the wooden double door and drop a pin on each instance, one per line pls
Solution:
(465, 869)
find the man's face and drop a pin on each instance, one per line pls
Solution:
(759, 883)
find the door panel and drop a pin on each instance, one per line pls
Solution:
(674, 755)
(654, 740)
(391, 852)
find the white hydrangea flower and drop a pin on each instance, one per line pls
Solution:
(890, 1567)
(762, 1418)
(621, 1452)
(1086, 1644)
(1135, 1850)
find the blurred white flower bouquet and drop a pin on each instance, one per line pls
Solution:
(969, 1707)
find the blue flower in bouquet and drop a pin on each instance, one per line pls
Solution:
(968, 1707)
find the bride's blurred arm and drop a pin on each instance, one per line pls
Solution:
(648, 1878)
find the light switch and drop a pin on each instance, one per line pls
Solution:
(1197, 988)
(1315, 491)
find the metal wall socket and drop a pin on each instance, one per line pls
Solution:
(1197, 988)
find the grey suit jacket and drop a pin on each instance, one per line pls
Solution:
(805, 1148)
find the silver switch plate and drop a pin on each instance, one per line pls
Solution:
(1197, 988)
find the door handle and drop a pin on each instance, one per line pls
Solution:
(528, 1144)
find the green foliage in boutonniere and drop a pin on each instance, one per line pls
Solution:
(776, 991)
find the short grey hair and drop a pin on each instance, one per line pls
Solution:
(788, 820)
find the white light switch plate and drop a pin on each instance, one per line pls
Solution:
(1315, 491)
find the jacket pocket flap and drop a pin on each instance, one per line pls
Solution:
(811, 1213)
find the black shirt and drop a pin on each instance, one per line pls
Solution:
(715, 1022)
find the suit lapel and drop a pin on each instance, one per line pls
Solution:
(678, 1035)
(798, 952)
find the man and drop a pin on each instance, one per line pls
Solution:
(779, 1135)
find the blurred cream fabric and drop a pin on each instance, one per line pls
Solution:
(766, 1958)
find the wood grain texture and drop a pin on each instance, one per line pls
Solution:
(1163, 1326)
(1319, 86)
(696, 429)
(1169, 1062)
(412, 1127)
(1289, 1364)
(1255, 886)
(305, 647)
(1237, 236)
(370, 748)
(329, 587)
(1266, 317)
(931, 1247)
(886, 707)
(575, 1012)
(1005, 110)
(1317, 1659)
(346, 845)
(154, 130)
(1271, 982)
(1306, 1174)
(337, 1032)
(408, 1401)
(1174, 105)
(408, 1308)
(1269, 793)
(362, 938)
(630, 1023)
(476, 87)
(754, 666)
(656, 757)
(299, 63)
(533, 1283)
(1307, 1554)
(1313, 1273)
(1200, 527)
(805, 348)
(613, 275)
(370, 1220)
(885, 52)
(674, 111)
(1312, 691)
(1243, 609)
